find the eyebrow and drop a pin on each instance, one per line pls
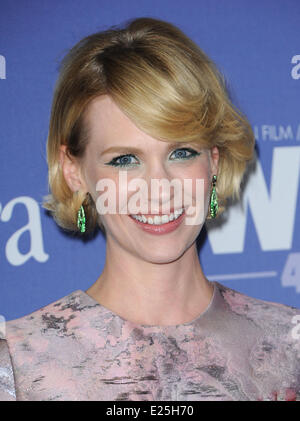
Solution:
(133, 150)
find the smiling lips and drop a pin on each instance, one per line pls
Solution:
(159, 224)
(158, 219)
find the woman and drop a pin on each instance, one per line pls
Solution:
(146, 103)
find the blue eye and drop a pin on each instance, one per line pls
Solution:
(124, 161)
(181, 153)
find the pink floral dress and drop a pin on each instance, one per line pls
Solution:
(240, 349)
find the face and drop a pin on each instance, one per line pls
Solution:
(117, 145)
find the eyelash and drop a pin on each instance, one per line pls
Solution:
(114, 163)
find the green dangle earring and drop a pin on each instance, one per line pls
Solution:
(214, 199)
(81, 220)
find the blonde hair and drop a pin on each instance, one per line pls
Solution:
(165, 84)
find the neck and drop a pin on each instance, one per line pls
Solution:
(153, 293)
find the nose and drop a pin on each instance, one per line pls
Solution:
(164, 191)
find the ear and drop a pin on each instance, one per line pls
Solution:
(214, 158)
(71, 170)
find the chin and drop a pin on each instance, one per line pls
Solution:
(161, 254)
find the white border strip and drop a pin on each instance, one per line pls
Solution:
(247, 275)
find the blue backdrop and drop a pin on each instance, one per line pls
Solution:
(256, 46)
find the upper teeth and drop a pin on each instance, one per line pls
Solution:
(158, 220)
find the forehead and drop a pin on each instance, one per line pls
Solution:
(107, 126)
(107, 123)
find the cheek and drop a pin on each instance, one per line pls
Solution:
(93, 175)
(197, 175)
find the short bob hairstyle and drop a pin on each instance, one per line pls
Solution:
(169, 89)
